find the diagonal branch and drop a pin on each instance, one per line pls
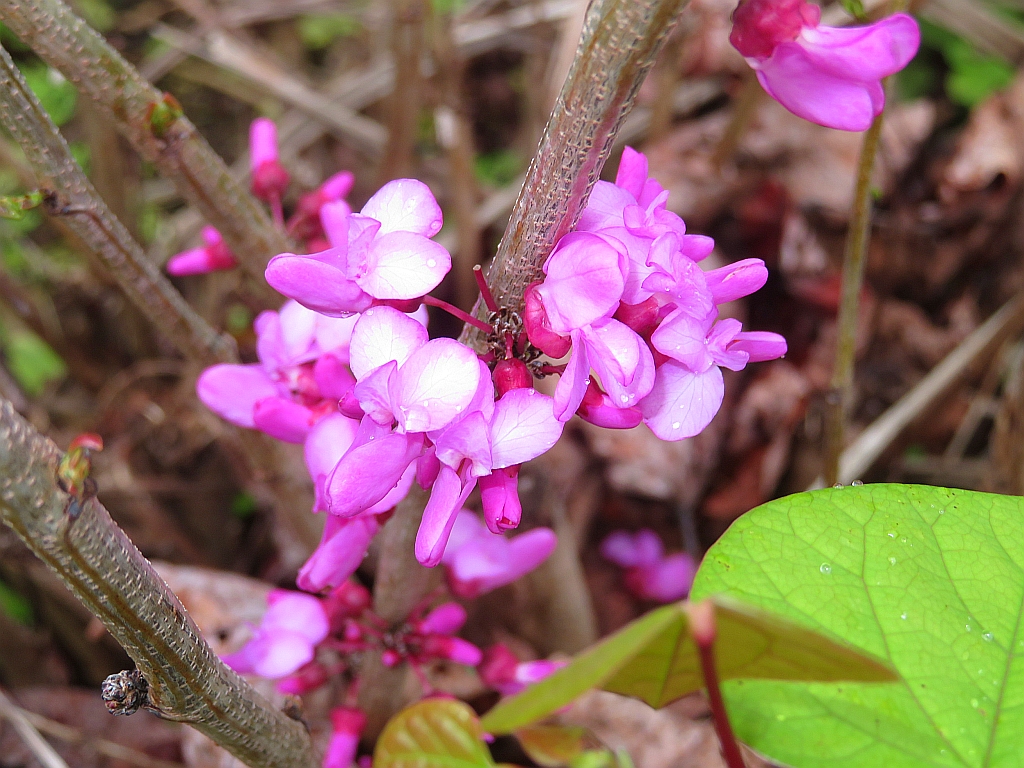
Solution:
(70, 45)
(100, 565)
(79, 205)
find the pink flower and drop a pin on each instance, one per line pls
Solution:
(479, 561)
(382, 253)
(286, 638)
(433, 637)
(650, 575)
(347, 724)
(501, 670)
(830, 76)
(213, 256)
(305, 222)
(269, 177)
(299, 379)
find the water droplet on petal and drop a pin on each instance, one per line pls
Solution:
(988, 636)
(431, 263)
(676, 425)
(825, 568)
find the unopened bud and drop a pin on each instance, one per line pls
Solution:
(511, 374)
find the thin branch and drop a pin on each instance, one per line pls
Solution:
(37, 745)
(70, 45)
(403, 105)
(81, 209)
(100, 565)
(621, 39)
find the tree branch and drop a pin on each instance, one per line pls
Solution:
(76, 201)
(70, 45)
(100, 565)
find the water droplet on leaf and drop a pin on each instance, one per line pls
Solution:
(825, 568)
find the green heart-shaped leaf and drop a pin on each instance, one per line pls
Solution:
(930, 579)
(655, 659)
(433, 733)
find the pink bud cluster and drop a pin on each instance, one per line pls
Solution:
(828, 75)
(625, 298)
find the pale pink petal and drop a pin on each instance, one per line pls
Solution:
(523, 427)
(681, 337)
(865, 53)
(383, 334)
(316, 284)
(584, 283)
(759, 345)
(232, 391)
(604, 208)
(736, 280)
(538, 327)
(682, 403)
(632, 173)
(333, 378)
(405, 205)
(446, 499)
(528, 550)
(338, 185)
(295, 612)
(327, 443)
(621, 548)
(435, 385)
(334, 334)
(670, 579)
(793, 79)
(467, 438)
(298, 332)
(341, 550)
(404, 265)
(368, 472)
(282, 419)
(374, 394)
(572, 385)
(720, 346)
(397, 493)
(598, 409)
(282, 654)
(622, 361)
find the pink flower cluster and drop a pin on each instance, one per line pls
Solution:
(828, 75)
(650, 574)
(625, 298)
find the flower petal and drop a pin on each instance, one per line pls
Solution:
(232, 391)
(316, 284)
(341, 550)
(368, 472)
(584, 283)
(866, 53)
(403, 265)
(405, 205)
(383, 334)
(522, 428)
(446, 499)
(282, 419)
(682, 403)
(435, 385)
(572, 385)
(622, 361)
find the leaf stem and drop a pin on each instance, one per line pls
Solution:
(704, 631)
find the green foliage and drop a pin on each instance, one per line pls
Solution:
(497, 169)
(16, 207)
(856, 9)
(655, 659)
(54, 92)
(433, 733)
(930, 579)
(317, 31)
(32, 362)
(554, 746)
(97, 13)
(15, 606)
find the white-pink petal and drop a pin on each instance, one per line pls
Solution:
(523, 427)
(682, 403)
(435, 385)
(404, 265)
(383, 334)
(405, 205)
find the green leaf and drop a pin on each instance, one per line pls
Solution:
(32, 362)
(552, 745)
(655, 659)
(930, 579)
(320, 30)
(433, 733)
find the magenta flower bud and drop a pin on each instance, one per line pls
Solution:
(446, 619)
(269, 177)
(598, 409)
(538, 329)
(642, 317)
(307, 679)
(499, 494)
(346, 601)
(452, 648)
(498, 666)
(390, 658)
(213, 256)
(511, 374)
(347, 724)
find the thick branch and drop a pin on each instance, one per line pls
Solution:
(621, 39)
(101, 566)
(67, 43)
(87, 216)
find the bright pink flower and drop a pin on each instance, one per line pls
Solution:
(479, 561)
(213, 256)
(347, 724)
(382, 253)
(300, 376)
(341, 550)
(830, 76)
(286, 638)
(269, 177)
(501, 670)
(305, 222)
(650, 574)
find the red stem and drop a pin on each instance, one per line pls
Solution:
(485, 291)
(727, 739)
(451, 309)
